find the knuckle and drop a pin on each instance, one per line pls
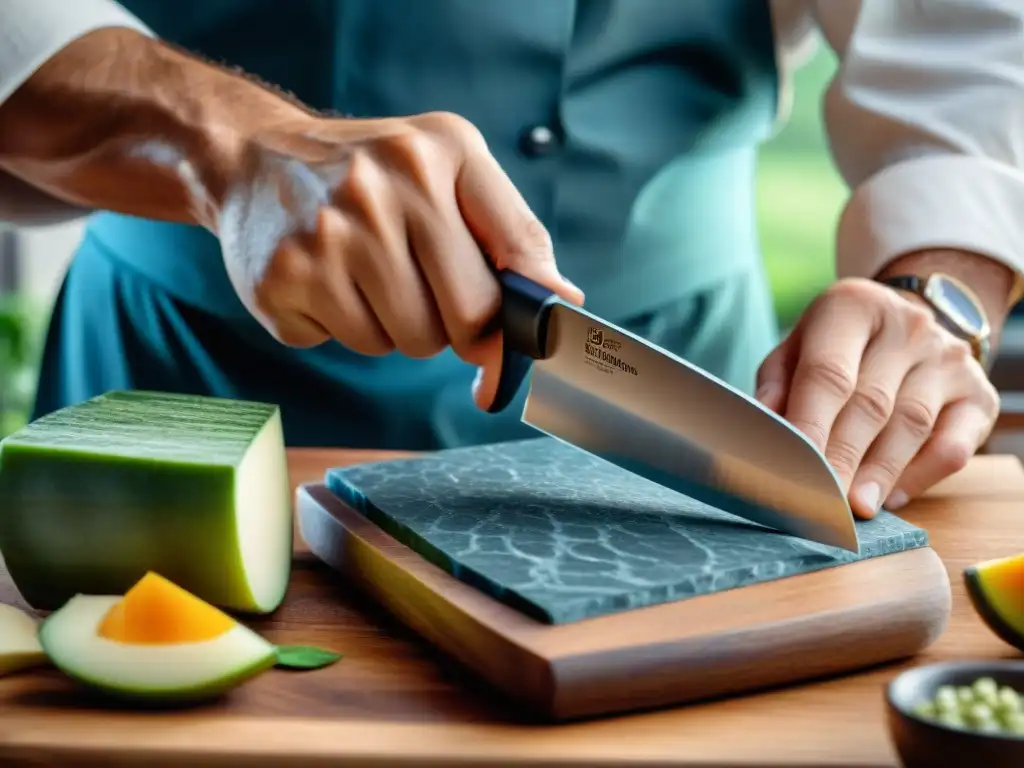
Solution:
(874, 400)
(844, 455)
(416, 153)
(369, 344)
(288, 267)
(987, 401)
(918, 321)
(957, 351)
(417, 328)
(469, 315)
(292, 337)
(886, 468)
(361, 333)
(264, 298)
(990, 400)
(856, 289)
(453, 127)
(422, 344)
(952, 454)
(916, 417)
(831, 375)
(814, 429)
(471, 318)
(360, 187)
(295, 332)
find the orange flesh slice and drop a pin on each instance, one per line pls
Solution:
(1006, 574)
(1003, 583)
(158, 612)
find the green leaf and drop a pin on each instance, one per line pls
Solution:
(304, 657)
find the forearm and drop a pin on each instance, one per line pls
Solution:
(120, 121)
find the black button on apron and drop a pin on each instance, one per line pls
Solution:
(538, 141)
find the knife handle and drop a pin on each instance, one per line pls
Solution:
(525, 306)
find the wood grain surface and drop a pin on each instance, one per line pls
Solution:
(393, 701)
(809, 625)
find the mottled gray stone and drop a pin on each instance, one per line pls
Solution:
(562, 536)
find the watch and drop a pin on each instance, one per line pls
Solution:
(955, 305)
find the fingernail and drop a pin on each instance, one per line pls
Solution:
(477, 379)
(576, 288)
(870, 496)
(897, 499)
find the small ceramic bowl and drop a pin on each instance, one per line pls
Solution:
(932, 745)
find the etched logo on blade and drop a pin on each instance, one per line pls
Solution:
(599, 351)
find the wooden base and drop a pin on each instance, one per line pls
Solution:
(797, 628)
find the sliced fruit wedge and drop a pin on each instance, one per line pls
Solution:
(996, 589)
(158, 642)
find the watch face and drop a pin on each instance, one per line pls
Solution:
(952, 301)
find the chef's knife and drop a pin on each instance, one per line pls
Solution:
(609, 392)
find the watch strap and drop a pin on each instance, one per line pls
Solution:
(980, 345)
(911, 283)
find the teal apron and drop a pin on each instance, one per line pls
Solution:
(654, 109)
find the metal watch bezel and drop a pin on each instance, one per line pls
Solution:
(932, 291)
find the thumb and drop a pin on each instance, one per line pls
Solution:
(505, 227)
(774, 375)
(514, 238)
(488, 351)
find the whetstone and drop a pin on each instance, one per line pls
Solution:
(825, 622)
(563, 536)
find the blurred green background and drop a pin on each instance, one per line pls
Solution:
(799, 196)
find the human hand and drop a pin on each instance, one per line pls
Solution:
(377, 233)
(894, 400)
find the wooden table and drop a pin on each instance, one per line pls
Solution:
(392, 702)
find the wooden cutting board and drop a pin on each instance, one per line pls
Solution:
(578, 589)
(394, 700)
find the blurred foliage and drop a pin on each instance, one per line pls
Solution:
(800, 196)
(17, 362)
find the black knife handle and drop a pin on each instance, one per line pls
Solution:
(525, 306)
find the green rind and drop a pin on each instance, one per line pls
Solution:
(99, 462)
(1003, 629)
(193, 430)
(136, 694)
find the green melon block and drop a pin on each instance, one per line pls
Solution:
(194, 488)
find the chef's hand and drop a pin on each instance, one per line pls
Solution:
(374, 233)
(894, 400)
(370, 232)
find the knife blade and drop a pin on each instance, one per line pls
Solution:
(615, 395)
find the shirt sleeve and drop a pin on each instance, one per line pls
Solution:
(32, 32)
(925, 119)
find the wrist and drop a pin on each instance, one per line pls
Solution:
(991, 281)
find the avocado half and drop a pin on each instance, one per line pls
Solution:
(996, 590)
(157, 672)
